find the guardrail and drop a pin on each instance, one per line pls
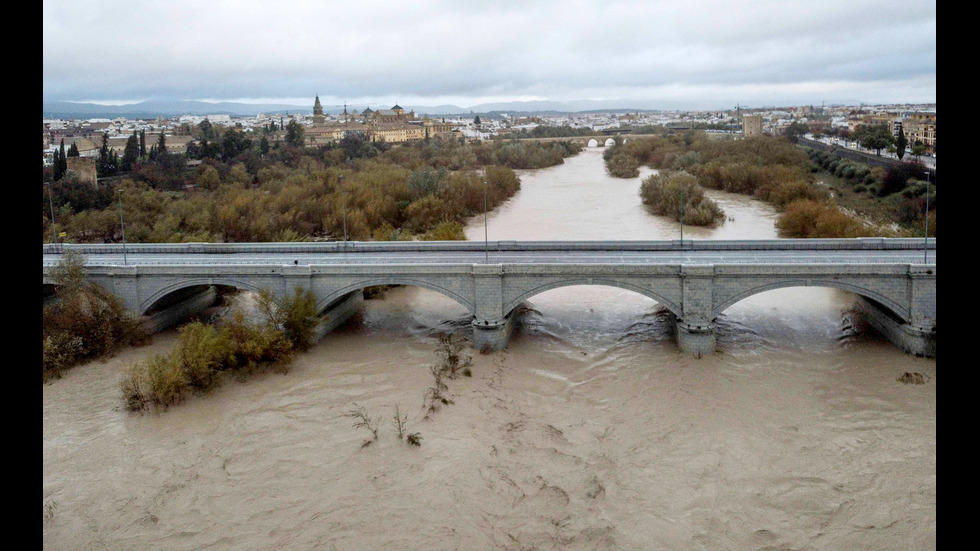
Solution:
(865, 243)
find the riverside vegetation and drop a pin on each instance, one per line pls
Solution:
(774, 170)
(82, 321)
(239, 193)
(204, 353)
(893, 195)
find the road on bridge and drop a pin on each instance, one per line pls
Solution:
(895, 251)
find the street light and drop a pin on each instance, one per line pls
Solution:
(486, 233)
(682, 216)
(925, 240)
(343, 202)
(122, 225)
(54, 226)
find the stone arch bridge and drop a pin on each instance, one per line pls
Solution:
(695, 280)
(599, 140)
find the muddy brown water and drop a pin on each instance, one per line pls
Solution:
(591, 431)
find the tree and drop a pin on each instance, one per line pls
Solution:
(295, 134)
(73, 150)
(58, 171)
(130, 153)
(351, 144)
(900, 143)
(205, 130)
(106, 165)
(795, 130)
(162, 144)
(918, 148)
(877, 136)
(142, 144)
(234, 144)
(476, 120)
(170, 170)
(264, 145)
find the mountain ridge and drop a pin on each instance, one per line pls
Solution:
(166, 108)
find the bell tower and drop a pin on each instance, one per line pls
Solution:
(318, 117)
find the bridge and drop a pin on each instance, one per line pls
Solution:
(695, 280)
(600, 140)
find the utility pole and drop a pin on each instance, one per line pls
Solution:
(925, 240)
(54, 226)
(123, 226)
(486, 233)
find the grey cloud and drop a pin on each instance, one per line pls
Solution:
(554, 50)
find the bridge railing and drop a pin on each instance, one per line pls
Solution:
(874, 243)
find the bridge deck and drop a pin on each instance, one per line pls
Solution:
(788, 251)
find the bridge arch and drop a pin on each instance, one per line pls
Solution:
(895, 308)
(50, 290)
(593, 143)
(148, 304)
(332, 297)
(610, 142)
(666, 303)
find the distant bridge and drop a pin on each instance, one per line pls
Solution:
(696, 281)
(602, 140)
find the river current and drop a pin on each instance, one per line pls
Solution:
(590, 431)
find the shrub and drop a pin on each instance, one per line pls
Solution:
(623, 166)
(811, 219)
(897, 176)
(782, 195)
(295, 317)
(204, 351)
(446, 231)
(663, 194)
(426, 213)
(84, 321)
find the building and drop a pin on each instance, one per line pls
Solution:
(388, 125)
(921, 127)
(752, 125)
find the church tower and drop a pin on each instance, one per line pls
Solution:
(318, 117)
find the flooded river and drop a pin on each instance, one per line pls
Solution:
(591, 431)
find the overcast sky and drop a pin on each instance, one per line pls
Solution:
(687, 53)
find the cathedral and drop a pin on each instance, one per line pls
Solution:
(390, 125)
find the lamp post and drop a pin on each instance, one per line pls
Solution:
(925, 239)
(682, 216)
(54, 226)
(122, 225)
(343, 202)
(486, 233)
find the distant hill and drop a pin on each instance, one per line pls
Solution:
(153, 109)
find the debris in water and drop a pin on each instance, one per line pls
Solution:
(913, 378)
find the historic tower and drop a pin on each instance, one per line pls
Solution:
(318, 117)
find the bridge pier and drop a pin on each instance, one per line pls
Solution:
(695, 330)
(493, 334)
(696, 337)
(913, 339)
(337, 313)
